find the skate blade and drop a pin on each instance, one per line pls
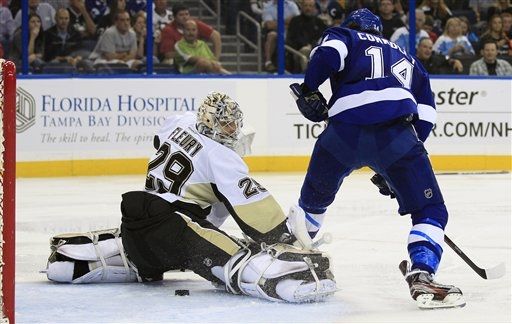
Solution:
(309, 293)
(426, 301)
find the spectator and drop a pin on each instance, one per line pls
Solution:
(161, 16)
(330, 11)
(7, 28)
(63, 41)
(465, 29)
(304, 32)
(452, 43)
(489, 64)
(134, 7)
(439, 11)
(257, 8)
(139, 27)
(428, 26)
(435, 63)
(81, 20)
(35, 44)
(97, 9)
(506, 19)
(495, 33)
(13, 5)
(193, 55)
(390, 20)
(44, 10)
(269, 21)
(118, 44)
(500, 6)
(108, 19)
(173, 32)
(401, 35)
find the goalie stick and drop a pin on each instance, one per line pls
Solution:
(489, 273)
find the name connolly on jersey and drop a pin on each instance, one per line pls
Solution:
(376, 39)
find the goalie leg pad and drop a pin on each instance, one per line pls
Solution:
(281, 272)
(90, 257)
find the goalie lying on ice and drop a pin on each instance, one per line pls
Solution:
(195, 180)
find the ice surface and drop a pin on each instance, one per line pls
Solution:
(369, 240)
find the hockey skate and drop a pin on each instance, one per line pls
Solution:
(429, 294)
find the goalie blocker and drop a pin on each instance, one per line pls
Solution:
(157, 237)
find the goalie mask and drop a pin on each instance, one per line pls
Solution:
(219, 117)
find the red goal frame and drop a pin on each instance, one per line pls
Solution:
(8, 180)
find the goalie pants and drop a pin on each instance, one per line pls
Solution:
(158, 236)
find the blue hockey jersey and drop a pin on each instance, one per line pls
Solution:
(372, 79)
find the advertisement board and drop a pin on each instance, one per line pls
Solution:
(89, 119)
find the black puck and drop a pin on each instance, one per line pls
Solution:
(181, 292)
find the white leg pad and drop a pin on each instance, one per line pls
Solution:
(106, 261)
(281, 272)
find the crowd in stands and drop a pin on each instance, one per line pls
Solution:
(88, 36)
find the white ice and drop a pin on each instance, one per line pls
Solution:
(369, 240)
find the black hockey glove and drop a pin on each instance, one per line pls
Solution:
(311, 104)
(383, 186)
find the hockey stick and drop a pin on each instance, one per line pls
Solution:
(489, 273)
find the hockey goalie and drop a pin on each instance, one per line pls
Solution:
(195, 180)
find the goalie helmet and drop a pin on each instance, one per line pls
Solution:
(219, 117)
(363, 20)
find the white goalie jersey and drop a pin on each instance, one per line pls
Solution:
(191, 168)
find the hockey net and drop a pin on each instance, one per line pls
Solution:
(7, 187)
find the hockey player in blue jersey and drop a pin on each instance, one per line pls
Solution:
(381, 111)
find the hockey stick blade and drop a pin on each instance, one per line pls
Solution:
(489, 273)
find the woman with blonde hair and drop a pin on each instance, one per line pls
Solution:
(452, 43)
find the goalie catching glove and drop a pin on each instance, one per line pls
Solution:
(311, 104)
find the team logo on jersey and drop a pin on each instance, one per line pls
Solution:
(428, 193)
(207, 262)
(25, 110)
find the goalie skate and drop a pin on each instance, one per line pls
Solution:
(429, 294)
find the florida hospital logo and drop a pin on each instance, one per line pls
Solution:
(428, 193)
(25, 110)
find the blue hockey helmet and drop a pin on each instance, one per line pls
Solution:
(363, 20)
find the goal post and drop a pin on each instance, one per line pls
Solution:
(8, 187)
